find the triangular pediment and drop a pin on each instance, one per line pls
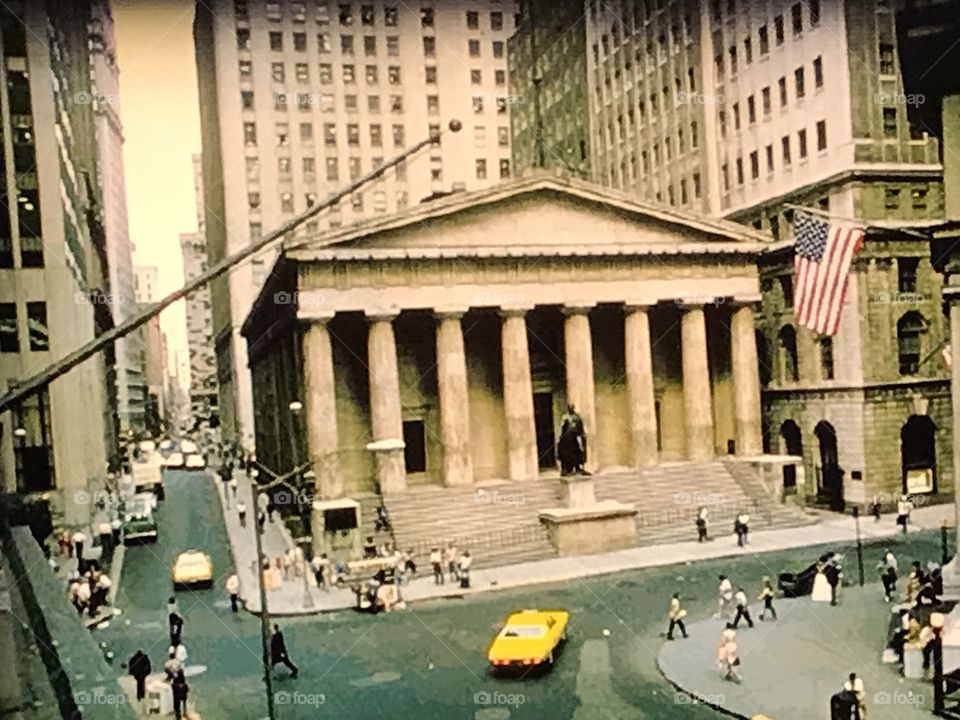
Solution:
(542, 212)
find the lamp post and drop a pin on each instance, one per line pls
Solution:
(944, 555)
(856, 521)
(264, 612)
(19, 433)
(937, 621)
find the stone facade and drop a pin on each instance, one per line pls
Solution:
(882, 375)
(463, 327)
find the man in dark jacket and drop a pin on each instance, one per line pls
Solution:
(180, 692)
(278, 652)
(176, 628)
(832, 572)
(139, 667)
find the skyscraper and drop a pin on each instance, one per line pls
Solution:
(53, 256)
(298, 98)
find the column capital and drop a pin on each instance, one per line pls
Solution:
(450, 312)
(388, 314)
(321, 318)
(578, 308)
(507, 311)
(630, 306)
(746, 300)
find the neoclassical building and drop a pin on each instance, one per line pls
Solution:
(441, 344)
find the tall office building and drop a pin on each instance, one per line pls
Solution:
(203, 361)
(105, 100)
(154, 354)
(550, 110)
(53, 255)
(735, 108)
(298, 98)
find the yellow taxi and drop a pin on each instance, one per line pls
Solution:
(528, 638)
(192, 568)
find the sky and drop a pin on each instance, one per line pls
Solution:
(161, 123)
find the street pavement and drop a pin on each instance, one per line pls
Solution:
(429, 662)
(792, 666)
(296, 597)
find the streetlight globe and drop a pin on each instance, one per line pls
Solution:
(455, 126)
(20, 432)
(296, 406)
(254, 473)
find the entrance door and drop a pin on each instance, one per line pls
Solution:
(791, 443)
(830, 486)
(918, 454)
(546, 438)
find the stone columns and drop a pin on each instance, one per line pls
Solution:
(386, 417)
(638, 359)
(578, 359)
(697, 397)
(518, 396)
(952, 295)
(746, 381)
(320, 405)
(454, 400)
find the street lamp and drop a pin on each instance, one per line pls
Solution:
(264, 612)
(309, 478)
(937, 621)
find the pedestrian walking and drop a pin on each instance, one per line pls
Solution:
(66, 544)
(741, 526)
(105, 532)
(725, 590)
(452, 558)
(242, 512)
(287, 563)
(875, 507)
(904, 508)
(173, 664)
(701, 522)
(278, 652)
(139, 667)
(463, 567)
(767, 594)
(180, 692)
(78, 542)
(233, 590)
(833, 574)
(263, 504)
(233, 488)
(676, 614)
(855, 685)
(743, 609)
(888, 574)
(175, 624)
(321, 570)
(728, 656)
(436, 562)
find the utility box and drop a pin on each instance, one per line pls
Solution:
(336, 527)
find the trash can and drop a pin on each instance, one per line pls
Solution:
(844, 706)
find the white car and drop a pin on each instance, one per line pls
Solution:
(166, 445)
(195, 461)
(188, 447)
(173, 460)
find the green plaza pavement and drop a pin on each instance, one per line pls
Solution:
(428, 662)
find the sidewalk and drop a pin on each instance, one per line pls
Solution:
(290, 598)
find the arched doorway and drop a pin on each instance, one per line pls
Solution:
(829, 473)
(918, 454)
(791, 443)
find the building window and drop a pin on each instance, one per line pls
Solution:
(246, 99)
(323, 43)
(346, 44)
(249, 134)
(769, 152)
(278, 72)
(798, 82)
(504, 168)
(778, 29)
(300, 42)
(887, 61)
(826, 358)
(346, 14)
(496, 21)
(498, 48)
(354, 166)
(253, 200)
(481, 166)
(919, 198)
(37, 326)
(796, 19)
(782, 89)
(754, 165)
(821, 134)
(739, 166)
(789, 368)
(309, 169)
(426, 17)
(280, 101)
(326, 73)
(276, 41)
(367, 15)
(814, 6)
(390, 16)
(802, 143)
(9, 339)
(430, 46)
(786, 289)
(765, 98)
(907, 274)
(473, 20)
(890, 122)
(430, 73)
(353, 134)
(433, 104)
(370, 73)
(284, 167)
(910, 331)
(306, 132)
(818, 72)
(474, 48)
(891, 198)
(785, 145)
(376, 136)
(733, 59)
(253, 168)
(329, 134)
(393, 74)
(764, 39)
(414, 445)
(243, 38)
(477, 104)
(282, 131)
(369, 46)
(476, 77)
(747, 51)
(333, 169)
(246, 69)
(500, 78)
(273, 11)
(303, 72)
(751, 110)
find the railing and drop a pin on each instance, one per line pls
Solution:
(503, 539)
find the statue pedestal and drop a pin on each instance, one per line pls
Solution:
(585, 526)
(335, 526)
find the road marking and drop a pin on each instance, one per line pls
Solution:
(376, 679)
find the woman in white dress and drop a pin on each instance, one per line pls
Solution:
(821, 586)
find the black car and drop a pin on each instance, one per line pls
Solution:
(794, 585)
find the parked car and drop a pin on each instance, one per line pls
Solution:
(138, 521)
(191, 569)
(187, 447)
(147, 476)
(173, 461)
(195, 461)
(799, 584)
(529, 638)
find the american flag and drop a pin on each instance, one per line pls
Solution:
(823, 253)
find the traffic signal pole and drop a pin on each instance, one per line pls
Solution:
(32, 385)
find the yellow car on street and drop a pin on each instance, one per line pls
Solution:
(192, 568)
(528, 639)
